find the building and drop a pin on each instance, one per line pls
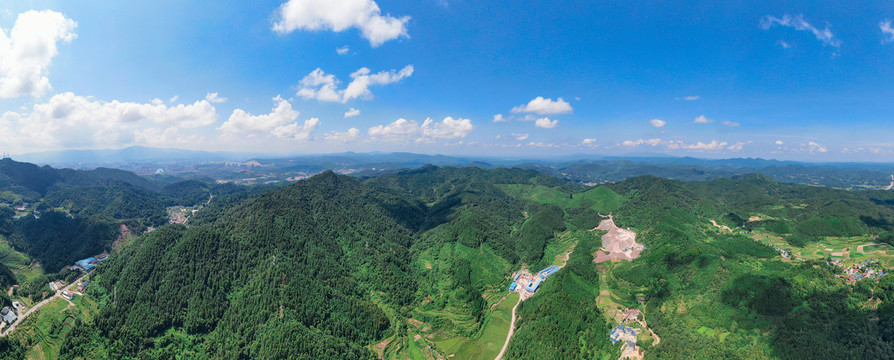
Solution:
(513, 286)
(534, 285)
(515, 278)
(545, 273)
(68, 295)
(8, 315)
(87, 264)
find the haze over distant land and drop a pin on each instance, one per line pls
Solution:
(305, 77)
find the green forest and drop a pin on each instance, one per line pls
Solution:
(417, 264)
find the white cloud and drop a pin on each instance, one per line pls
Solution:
(784, 44)
(797, 22)
(779, 142)
(500, 118)
(173, 99)
(701, 119)
(542, 145)
(403, 129)
(295, 131)
(71, 121)
(352, 113)
(520, 137)
(340, 15)
(324, 87)
(589, 141)
(730, 123)
(629, 143)
(699, 146)
(657, 123)
(28, 50)
(449, 128)
(738, 146)
(350, 135)
(280, 122)
(544, 107)
(214, 98)
(689, 98)
(887, 31)
(546, 123)
(343, 50)
(812, 147)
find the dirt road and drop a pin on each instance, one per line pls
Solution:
(37, 307)
(511, 331)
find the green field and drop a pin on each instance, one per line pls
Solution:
(19, 263)
(844, 248)
(491, 338)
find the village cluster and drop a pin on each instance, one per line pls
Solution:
(869, 269)
(626, 334)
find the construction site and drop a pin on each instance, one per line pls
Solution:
(618, 244)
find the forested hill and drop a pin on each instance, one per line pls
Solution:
(298, 264)
(417, 264)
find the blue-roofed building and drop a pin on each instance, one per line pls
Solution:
(533, 286)
(87, 264)
(515, 278)
(631, 345)
(545, 273)
(513, 286)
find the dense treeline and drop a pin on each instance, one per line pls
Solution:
(57, 240)
(295, 263)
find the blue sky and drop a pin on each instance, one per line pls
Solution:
(788, 80)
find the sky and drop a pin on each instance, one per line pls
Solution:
(793, 80)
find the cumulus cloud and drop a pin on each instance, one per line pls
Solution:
(701, 119)
(713, 145)
(214, 98)
(638, 142)
(589, 141)
(500, 118)
(403, 129)
(280, 122)
(352, 113)
(797, 22)
(887, 31)
(812, 147)
(546, 123)
(544, 107)
(350, 135)
(689, 98)
(343, 50)
(520, 137)
(338, 16)
(71, 121)
(324, 87)
(779, 142)
(295, 131)
(29, 48)
(730, 123)
(738, 146)
(657, 123)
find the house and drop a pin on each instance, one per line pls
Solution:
(68, 295)
(511, 286)
(515, 278)
(631, 345)
(8, 315)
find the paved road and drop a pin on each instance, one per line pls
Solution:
(34, 308)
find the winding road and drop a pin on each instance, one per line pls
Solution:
(39, 305)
